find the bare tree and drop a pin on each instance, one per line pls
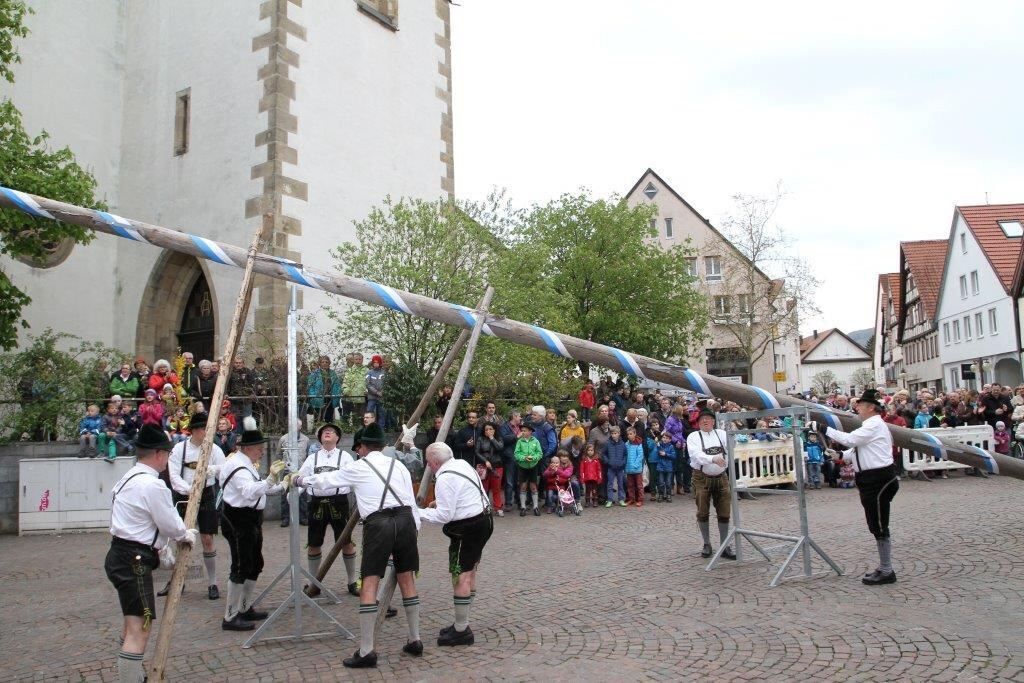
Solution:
(862, 378)
(824, 382)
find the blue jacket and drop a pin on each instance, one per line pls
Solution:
(666, 463)
(922, 421)
(90, 424)
(315, 388)
(615, 454)
(634, 458)
(814, 453)
(545, 433)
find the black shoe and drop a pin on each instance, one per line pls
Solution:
(353, 588)
(706, 550)
(453, 638)
(213, 593)
(536, 512)
(237, 624)
(392, 612)
(446, 629)
(252, 615)
(522, 512)
(415, 648)
(878, 577)
(167, 589)
(285, 521)
(358, 661)
(729, 554)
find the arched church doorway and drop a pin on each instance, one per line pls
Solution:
(195, 333)
(1008, 372)
(178, 310)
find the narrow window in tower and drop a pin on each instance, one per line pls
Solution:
(182, 111)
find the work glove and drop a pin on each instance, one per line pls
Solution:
(409, 434)
(286, 482)
(191, 536)
(276, 468)
(166, 555)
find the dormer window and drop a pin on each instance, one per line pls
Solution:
(1012, 228)
(650, 190)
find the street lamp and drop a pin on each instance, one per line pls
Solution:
(903, 378)
(982, 365)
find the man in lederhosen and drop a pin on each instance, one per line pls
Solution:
(461, 505)
(244, 496)
(328, 506)
(181, 467)
(383, 489)
(706, 447)
(142, 518)
(871, 456)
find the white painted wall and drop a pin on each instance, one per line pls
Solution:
(843, 370)
(836, 354)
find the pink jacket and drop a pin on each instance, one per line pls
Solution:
(152, 413)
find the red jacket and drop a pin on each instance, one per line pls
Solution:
(590, 471)
(586, 398)
(157, 382)
(899, 422)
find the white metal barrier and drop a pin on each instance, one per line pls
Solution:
(764, 463)
(980, 436)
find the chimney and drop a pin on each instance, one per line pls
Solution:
(815, 334)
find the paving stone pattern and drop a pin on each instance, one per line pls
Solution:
(614, 594)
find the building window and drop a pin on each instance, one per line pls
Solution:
(1012, 228)
(743, 303)
(956, 331)
(182, 112)
(967, 328)
(954, 378)
(974, 283)
(721, 306)
(384, 11)
(780, 362)
(979, 327)
(963, 286)
(691, 267)
(650, 190)
(713, 267)
(993, 326)
(945, 333)
(668, 228)
(963, 243)
(654, 226)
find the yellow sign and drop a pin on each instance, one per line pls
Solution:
(780, 376)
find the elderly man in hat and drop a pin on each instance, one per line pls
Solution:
(391, 520)
(244, 496)
(706, 447)
(328, 506)
(870, 453)
(142, 519)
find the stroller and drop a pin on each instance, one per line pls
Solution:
(567, 501)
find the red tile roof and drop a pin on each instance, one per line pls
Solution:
(926, 259)
(1002, 251)
(890, 283)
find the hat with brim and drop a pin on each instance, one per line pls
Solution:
(372, 435)
(153, 438)
(871, 396)
(252, 437)
(198, 421)
(329, 425)
(707, 413)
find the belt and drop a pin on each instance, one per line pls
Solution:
(712, 476)
(482, 515)
(389, 512)
(135, 545)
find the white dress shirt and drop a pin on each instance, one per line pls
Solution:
(701, 460)
(141, 509)
(367, 486)
(871, 442)
(246, 489)
(326, 461)
(456, 498)
(181, 475)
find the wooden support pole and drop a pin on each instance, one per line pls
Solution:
(163, 644)
(391, 579)
(353, 519)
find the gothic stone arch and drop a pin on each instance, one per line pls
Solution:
(163, 303)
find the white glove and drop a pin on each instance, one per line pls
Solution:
(212, 470)
(191, 536)
(409, 434)
(276, 468)
(166, 555)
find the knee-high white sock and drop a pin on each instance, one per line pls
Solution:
(129, 667)
(231, 604)
(723, 530)
(247, 590)
(367, 622)
(522, 499)
(462, 606)
(350, 566)
(884, 554)
(314, 563)
(412, 616)
(705, 532)
(210, 562)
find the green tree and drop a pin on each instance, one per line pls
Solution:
(594, 270)
(27, 164)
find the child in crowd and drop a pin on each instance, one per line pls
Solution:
(590, 475)
(151, 412)
(763, 435)
(129, 427)
(587, 399)
(815, 457)
(847, 476)
(527, 456)
(1002, 438)
(228, 412)
(923, 419)
(567, 474)
(551, 484)
(89, 428)
(615, 459)
(169, 399)
(634, 468)
(107, 437)
(178, 426)
(666, 466)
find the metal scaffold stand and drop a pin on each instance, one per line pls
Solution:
(802, 544)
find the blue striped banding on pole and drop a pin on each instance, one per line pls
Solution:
(767, 399)
(301, 277)
(26, 203)
(832, 420)
(697, 382)
(469, 316)
(122, 227)
(627, 362)
(990, 462)
(211, 250)
(940, 450)
(390, 298)
(552, 341)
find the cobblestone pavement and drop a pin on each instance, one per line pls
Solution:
(618, 593)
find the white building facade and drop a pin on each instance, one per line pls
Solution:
(833, 351)
(221, 119)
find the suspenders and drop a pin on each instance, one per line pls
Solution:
(387, 482)
(120, 488)
(476, 485)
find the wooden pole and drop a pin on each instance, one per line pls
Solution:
(163, 644)
(510, 330)
(353, 519)
(391, 579)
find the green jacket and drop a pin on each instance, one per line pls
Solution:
(528, 453)
(354, 382)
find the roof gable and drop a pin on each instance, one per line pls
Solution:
(1001, 251)
(926, 261)
(808, 346)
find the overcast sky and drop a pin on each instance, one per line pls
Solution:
(878, 118)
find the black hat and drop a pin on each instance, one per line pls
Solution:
(252, 435)
(372, 435)
(707, 413)
(151, 437)
(198, 421)
(871, 396)
(336, 428)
